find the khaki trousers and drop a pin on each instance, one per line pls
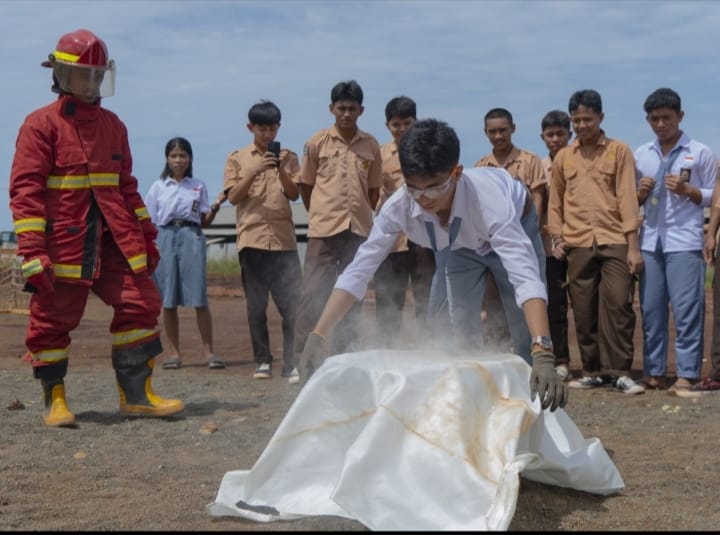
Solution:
(601, 293)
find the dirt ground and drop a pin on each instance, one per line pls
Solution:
(113, 473)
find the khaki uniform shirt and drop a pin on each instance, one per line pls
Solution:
(593, 197)
(520, 164)
(264, 217)
(341, 175)
(546, 239)
(392, 180)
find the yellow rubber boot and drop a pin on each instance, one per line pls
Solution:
(57, 413)
(137, 397)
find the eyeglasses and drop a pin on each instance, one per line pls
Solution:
(431, 193)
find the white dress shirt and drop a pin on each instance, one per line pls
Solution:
(489, 203)
(682, 228)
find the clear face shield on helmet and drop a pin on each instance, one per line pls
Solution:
(87, 82)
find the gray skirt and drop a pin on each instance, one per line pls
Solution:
(180, 275)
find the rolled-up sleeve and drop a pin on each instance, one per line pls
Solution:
(518, 257)
(356, 276)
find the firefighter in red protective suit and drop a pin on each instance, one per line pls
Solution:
(82, 225)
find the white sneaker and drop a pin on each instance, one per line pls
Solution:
(562, 371)
(589, 381)
(294, 377)
(627, 386)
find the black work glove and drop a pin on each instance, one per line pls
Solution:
(313, 355)
(545, 382)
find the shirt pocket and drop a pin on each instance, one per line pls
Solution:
(685, 169)
(362, 160)
(70, 157)
(67, 183)
(571, 180)
(65, 239)
(327, 162)
(257, 186)
(607, 174)
(196, 197)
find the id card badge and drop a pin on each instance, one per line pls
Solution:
(195, 205)
(685, 173)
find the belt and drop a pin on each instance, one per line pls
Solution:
(180, 223)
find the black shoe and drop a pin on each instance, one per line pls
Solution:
(263, 371)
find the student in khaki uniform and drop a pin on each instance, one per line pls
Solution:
(523, 165)
(555, 133)
(340, 178)
(260, 185)
(407, 260)
(593, 219)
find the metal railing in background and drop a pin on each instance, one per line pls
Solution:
(222, 230)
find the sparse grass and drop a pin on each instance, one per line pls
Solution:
(223, 267)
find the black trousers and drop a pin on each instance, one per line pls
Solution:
(264, 274)
(556, 279)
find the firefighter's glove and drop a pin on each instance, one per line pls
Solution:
(313, 355)
(546, 383)
(153, 255)
(39, 275)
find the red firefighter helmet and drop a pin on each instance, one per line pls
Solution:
(81, 47)
(81, 66)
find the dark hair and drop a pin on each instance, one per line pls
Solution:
(499, 113)
(264, 112)
(402, 107)
(427, 148)
(589, 98)
(662, 98)
(349, 90)
(182, 144)
(555, 118)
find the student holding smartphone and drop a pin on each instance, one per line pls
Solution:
(258, 180)
(274, 147)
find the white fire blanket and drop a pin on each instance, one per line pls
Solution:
(414, 440)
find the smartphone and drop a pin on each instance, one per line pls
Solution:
(274, 147)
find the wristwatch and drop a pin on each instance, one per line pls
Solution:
(542, 342)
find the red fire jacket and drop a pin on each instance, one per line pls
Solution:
(71, 179)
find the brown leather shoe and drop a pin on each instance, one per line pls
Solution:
(654, 382)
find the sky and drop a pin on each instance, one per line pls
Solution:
(194, 68)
